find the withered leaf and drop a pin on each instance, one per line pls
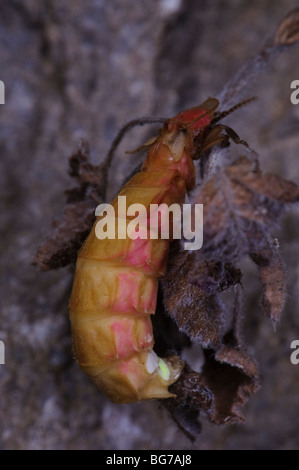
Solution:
(214, 276)
(198, 314)
(288, 30)
(232, 376)
(70, 231)
(228, 378)
(241, 208)
(192, 397)
(272, 275)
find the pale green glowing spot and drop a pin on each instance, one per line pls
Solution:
(164, 371)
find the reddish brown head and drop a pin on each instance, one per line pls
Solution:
(174, 147)
(199, 125)
(195, 119)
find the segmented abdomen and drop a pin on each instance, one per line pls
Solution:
(114, 294)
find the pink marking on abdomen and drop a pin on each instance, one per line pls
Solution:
(124, 339)
(135, 293)
(135, 373)
(131, 336)
(139, 254)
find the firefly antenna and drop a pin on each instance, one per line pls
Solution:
(232, 109)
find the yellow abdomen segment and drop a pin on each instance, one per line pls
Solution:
(114, 294)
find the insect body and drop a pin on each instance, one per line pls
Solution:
(116, 280)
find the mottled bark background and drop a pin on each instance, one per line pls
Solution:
(82, 69)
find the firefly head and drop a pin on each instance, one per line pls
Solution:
(182, 129)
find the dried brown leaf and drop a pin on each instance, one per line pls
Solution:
(201, 316)
(232, 376)
(272, 276)
(70, 231)
(214, 276)
(288, 30)
(229, 377)
(192, 398)
(241, 208)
